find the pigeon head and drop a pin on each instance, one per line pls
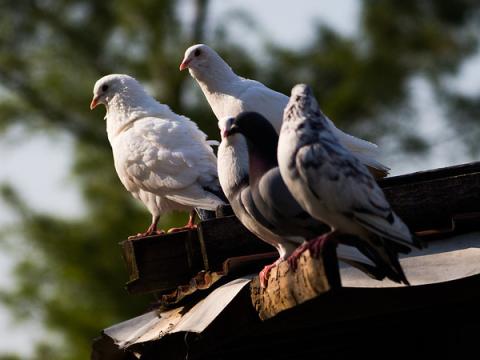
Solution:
(260, 134)
(302, 96)
(197, 56)
(262, 141)
(224, 125)
(302, 104)
(253, 126)
(115, 85)
(204, 64)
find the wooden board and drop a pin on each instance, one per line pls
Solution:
(288, 287)
(435, 201)
(163, 263)
(430, 321)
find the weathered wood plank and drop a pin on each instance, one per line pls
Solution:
(439, 320)
(226, 237)
(431, 200)
(161, 262)
(433, 174)
(287, 288)
(427, 201)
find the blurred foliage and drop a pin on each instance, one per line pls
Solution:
(359, 80)
(70, 273)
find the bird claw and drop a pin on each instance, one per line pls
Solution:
(138, 236)
(183, 228)
(315, 246)
(145, 234)
(265, 274)
(295, 256)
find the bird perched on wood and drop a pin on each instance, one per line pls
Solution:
(229, 94)
(234, 179)
(333, 186)
(266, 201)
(162, 158)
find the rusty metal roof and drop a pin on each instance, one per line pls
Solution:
(154, 325)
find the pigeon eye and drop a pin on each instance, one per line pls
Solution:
(104, 88)
(197, 52)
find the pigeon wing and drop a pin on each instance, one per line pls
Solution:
(337, 179)
(171, 159)
(267, 102)
(276, 203)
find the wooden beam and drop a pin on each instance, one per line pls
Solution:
(162, 263)
(431, 201)
(438, 320)
(435, 200)
(287, 287)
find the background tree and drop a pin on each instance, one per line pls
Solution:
(70, 274)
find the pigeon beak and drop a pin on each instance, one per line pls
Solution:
(184, 64)
(233, 130)
(94, 103)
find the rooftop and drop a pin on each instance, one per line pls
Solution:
(211, 305)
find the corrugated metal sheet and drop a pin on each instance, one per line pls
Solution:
(444, 260)
(154, 325)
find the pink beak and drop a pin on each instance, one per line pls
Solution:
(184, 64)
(94, 102)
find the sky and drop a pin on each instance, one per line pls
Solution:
(288, 23)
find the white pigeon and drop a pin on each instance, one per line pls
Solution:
(229, 94)
(162, 158)
(334, 187)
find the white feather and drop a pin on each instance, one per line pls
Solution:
(229, 94)
(162, 158)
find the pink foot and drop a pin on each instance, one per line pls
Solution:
(265, 274)
(315, 246)
(189, 226)
(146, 233)
(183, 228)
(295, 256)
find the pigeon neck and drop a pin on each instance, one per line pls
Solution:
(263, 157)
(121, 113)
(216, 77)
(298, 115)
(233, 165)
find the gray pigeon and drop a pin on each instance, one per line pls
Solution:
(234, 180)
(333, 186)
(271, 204)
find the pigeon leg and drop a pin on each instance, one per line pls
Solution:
(265, 273)
(152, 229)
(315, 246)
(189, 226)
(295, 256)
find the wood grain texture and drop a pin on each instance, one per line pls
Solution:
(161, 262)
(287, 288)
(430, 201)
(432, 321)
